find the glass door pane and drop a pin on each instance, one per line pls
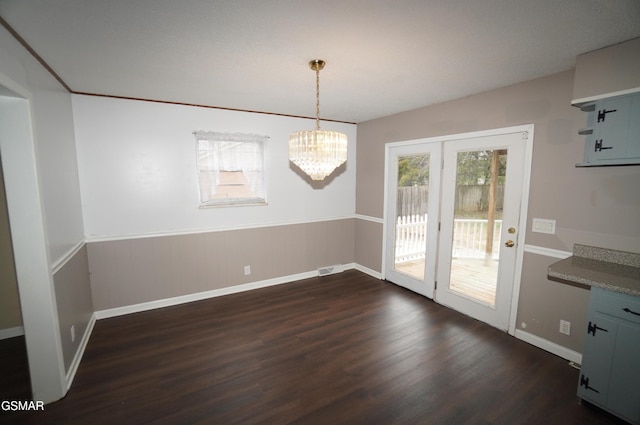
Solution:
(412, 200)
(412, 191)
(477, 224)
(482, 187)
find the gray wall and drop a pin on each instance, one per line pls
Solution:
(596, 206)
(74, 303)
(138, 270)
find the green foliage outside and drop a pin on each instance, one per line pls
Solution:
(473, 169)
(413, 170)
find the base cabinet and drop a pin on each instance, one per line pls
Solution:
(610, 372)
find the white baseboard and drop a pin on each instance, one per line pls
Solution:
(71, 373)
(167, 302)
(11, 332)
(549, 346)
(367, 270)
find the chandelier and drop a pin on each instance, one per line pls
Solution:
(317, 152)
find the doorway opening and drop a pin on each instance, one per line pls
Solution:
(14, 365)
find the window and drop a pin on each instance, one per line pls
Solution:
(230, 168)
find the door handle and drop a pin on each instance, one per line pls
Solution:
(509, 243)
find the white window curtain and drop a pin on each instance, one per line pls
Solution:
(230, 152)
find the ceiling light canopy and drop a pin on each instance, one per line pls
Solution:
(318, 152)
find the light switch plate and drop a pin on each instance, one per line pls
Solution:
(541, 225)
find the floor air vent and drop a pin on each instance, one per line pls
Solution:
(324, 271)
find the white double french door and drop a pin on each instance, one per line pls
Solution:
(412, 199)
(453, 219)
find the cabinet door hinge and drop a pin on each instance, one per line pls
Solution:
(584, 382)
(598, 146)
(602, 114)
(592, 327)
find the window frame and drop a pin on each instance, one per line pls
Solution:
(215, 140)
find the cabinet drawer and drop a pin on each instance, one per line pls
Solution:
(618, 305)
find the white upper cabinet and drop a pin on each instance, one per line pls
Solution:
(612, 135)
(607, 87)
(608, 72)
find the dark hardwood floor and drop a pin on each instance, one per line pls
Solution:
(14, 370)
(341, 349)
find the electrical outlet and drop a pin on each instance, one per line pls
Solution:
(247, 270)
(541, 225)
(565, 327)
(73, 333)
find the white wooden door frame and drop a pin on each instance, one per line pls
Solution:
(427, 285)
(29, 241)
(497, 315)
(524, 203)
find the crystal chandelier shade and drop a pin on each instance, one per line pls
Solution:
(318, 152)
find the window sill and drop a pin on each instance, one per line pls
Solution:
(233, 204)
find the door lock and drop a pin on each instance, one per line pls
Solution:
(509, 243)
(511, 230)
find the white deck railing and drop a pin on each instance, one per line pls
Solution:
(470, 238)
(411, 238)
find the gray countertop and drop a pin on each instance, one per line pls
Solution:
(617, 271)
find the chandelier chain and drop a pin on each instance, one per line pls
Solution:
(318, 99)
(318, 153)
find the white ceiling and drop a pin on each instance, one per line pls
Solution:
(382, 56)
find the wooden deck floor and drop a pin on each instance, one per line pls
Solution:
(469, 277)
